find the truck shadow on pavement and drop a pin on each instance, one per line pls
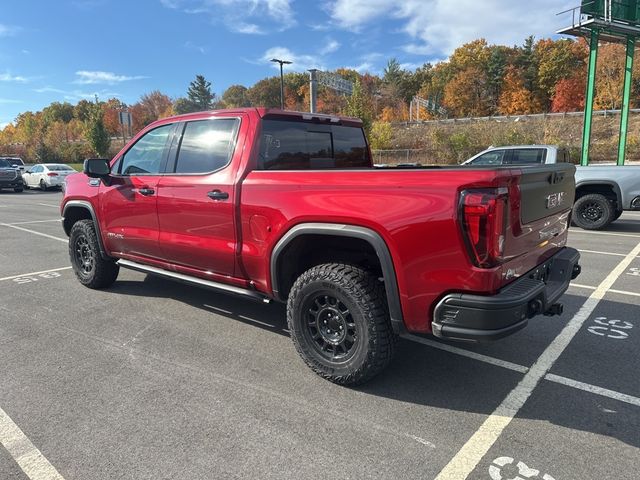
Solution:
(425, 376)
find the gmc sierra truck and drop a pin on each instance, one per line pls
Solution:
(286, 206)
(603, 192)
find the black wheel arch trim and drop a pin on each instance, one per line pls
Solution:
(87, 206)
(609, 183)
(343, 230)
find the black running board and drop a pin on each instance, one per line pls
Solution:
(201, 282)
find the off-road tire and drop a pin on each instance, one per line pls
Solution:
(593, 212)
(362, 295)
(91, 269)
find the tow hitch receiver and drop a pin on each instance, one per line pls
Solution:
(555, 309)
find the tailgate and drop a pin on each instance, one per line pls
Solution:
(539, 224)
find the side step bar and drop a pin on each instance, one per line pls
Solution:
(139, 267)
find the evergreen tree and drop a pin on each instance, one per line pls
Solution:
(200, 93)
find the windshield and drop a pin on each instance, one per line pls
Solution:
(59, 168)
(4, 163)
(15, 161)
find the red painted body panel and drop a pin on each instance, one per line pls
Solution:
(414, 211)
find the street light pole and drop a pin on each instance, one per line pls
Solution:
(281, 62)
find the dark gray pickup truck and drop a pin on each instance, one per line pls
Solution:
(10, 176)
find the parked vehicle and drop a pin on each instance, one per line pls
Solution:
(286, 206)
(10, 177)
(47, 175)
(15, 162)
(603, 192)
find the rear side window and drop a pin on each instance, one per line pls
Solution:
(286, 145)
(527, 156)
(206, 145)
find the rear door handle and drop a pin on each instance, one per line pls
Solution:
(146, 191)
(218, 195)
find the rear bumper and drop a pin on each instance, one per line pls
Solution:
(461, 316)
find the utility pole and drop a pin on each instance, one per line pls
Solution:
(281, 62)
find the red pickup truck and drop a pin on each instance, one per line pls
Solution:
(286, 206)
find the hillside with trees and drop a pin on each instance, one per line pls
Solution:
(477, 80)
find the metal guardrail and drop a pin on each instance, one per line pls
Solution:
(514, 118)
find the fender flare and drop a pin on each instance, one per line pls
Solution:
(335, 229)
(612, 184)
(86, 206)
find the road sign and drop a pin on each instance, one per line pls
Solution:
(125, 118)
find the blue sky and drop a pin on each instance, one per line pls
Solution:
(66, 50)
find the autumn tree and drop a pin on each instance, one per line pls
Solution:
(569, 94)
(265, 93)
(111, 110)
(236, 97)
(467, 94)
(151, 107)
(515, 98)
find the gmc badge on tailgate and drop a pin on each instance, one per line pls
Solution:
(555, 200)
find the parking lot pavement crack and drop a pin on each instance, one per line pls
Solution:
(468, 457)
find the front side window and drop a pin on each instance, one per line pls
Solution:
(489, 158)
(287, 145)
(206, 145)
(146, 155)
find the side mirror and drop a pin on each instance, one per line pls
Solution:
(96, 168)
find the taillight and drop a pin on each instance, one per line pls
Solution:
(483, 216)
(52, 174)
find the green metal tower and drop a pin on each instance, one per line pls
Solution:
(611, 21)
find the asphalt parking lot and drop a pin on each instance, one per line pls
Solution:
(157, 380)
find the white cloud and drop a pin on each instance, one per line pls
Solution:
(330, 47)
(248, 28)
(301, 62)
(8, 30)
(362, 68)
(264, 14)
(9, 100)
(437, 27)
(198, 48)
(7, 77)
(76, 95)
(86, 77)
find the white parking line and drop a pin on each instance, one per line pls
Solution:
(25, 453)
(65, 240)
(33, 221)
(468, 457)
(34, 273)
(49, 205)
(605, 392)
(466, 353)
(602, 253)
(611, 290)
(591, 232)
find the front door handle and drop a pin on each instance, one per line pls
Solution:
(146, 191)
(218, 195)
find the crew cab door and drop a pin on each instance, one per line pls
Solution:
(196, 196)
(129, 204)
